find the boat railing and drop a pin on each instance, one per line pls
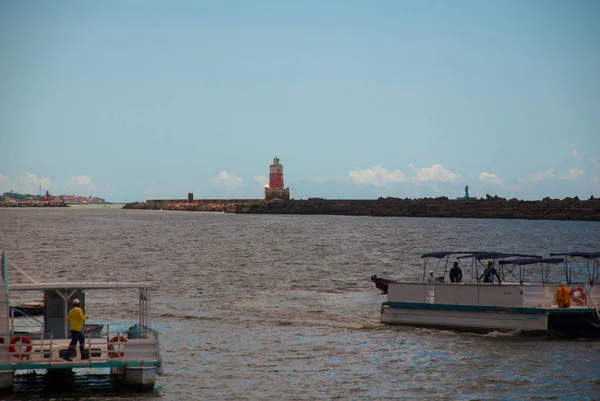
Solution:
(513, 295)
(110, 346)
(589, 290)
(26, 324)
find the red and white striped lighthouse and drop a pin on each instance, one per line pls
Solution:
(276, 189)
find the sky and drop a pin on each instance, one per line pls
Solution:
(135, 100)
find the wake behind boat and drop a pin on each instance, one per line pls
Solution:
(501, 292)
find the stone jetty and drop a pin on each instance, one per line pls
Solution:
(489, 207)
(31, 203)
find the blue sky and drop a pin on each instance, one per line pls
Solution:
(135, 100)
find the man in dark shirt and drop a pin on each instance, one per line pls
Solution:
(489, 273)
(455, 274)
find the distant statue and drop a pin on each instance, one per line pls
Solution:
(466, 197)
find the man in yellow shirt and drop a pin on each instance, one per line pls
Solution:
(75, 318)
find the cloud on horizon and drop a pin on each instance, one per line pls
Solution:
(575, 153)
(5, 183)
(546, 175)
(434, 173)
(30, 183)
(377, 176)
(227, 180)
(490, 178)
(84, 182)
(573, 175)
(595, 162)
(262, 180)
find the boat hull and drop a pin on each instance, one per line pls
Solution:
(476, 321)
(142, 377)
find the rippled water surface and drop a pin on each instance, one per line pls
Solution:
(281, 307)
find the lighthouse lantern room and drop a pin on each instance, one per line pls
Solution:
(276, 189)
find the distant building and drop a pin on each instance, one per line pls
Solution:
(276, 188)
(73, 199)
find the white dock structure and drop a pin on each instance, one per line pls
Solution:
(132, 355)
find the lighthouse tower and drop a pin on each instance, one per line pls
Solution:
(276, 189)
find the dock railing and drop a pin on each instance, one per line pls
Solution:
(110, 346)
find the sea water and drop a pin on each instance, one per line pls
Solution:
(259, 307)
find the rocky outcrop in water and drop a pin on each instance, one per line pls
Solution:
(490, 207)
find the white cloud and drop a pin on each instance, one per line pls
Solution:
(84, 182)
(546, 175)
(490, 178)
(30, 184)
(262, 180)
(378, 176)
(575, 153)
(573, 175)
(596, 162)
(227, 180)
(522, 180)
(434, 173)
(5, 183)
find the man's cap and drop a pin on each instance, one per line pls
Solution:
(75, 301)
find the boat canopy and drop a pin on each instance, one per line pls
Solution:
(441, 255)
(588, 255)
(75, 286)
(500, 255)
(576, 268)
(531, 261)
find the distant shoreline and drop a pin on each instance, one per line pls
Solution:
(37, 204)
(491, 207)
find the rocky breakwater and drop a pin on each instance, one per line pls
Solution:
(490, 207)
(33, 204)
(228, 206)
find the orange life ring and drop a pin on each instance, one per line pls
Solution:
(19, 340)
(112, 347)
(577, 295)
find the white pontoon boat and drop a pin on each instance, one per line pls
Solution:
(524, 298)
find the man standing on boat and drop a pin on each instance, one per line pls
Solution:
(75, 318)
(455, 274)
(489, 273)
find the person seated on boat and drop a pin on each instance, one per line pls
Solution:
(455, 274)
(489, 273)
(75, 318)
(431, 278)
